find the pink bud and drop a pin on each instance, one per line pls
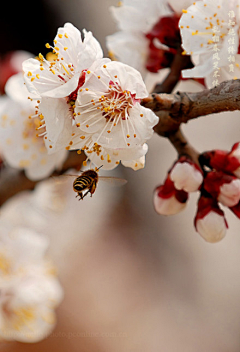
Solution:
(210, 222)
(186, 175)
(225, 188)
(167, 200)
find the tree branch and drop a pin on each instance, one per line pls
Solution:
(182, 107)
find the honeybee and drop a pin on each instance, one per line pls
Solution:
(88, 181)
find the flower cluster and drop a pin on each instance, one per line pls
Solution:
(149, 35)
(89, 103)
(210, 34)
(218, 183)
(29, 289)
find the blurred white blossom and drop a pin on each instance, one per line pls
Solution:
(29, 288)
(21, 147)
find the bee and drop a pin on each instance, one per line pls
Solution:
(88, 180)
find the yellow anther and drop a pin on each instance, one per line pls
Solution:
(65, 48)
(65, 35)
(82, 137)
(32, 79)
(37, 75)
(88, 72)
(184, 11)
(60, 35)
(104, 66)
(102, 158)
(67, 148)
(48, 46)
(79, 151)
(84, 163)
(56, 48)
(29, 74)
(128, 136)
(78, 125)
(184, 52)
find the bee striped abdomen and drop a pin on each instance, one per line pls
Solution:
(82, 182)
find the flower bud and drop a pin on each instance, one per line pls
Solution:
(225, 188)
(168, 200)
(210, 222)
(221, 160)
(186, 175)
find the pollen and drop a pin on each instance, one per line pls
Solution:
(78, 124)
(86, 89)
(84, 163)
(108, 131)
(134, 135)
(82, 137)
(32, 79)
(48, 46)
(184, 11)
(87, 126)
(79, 151)
(50, 146)
(184, 52)
(88, 72)
(104, 66)
(141, 115)
(102, 158)
(65, 35)
(128, 136)
(37, 75)
(29, 74)
(60, 35)
(68, 147)
(65, 48)
(98, 77)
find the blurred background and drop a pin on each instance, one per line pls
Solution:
(133, 280)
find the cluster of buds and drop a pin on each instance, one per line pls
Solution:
(218, 182)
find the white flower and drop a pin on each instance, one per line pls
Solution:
(212, 227)
(29, 291)
(211, 36)
(57, 82)
(21, 146)
(61, 77)
(135, 19)
(139, 43)
(108, 113)
(186, 175)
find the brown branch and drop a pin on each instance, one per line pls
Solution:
(180, 62)
(182, 107)
(13, 181)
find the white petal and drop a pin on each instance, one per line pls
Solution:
(212, 227)
(186, 177)
(167, 206)
(58, 121)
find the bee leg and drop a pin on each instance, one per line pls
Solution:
(79, 195)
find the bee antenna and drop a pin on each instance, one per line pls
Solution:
(99, 167)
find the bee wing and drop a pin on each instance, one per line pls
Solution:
(113, 181)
